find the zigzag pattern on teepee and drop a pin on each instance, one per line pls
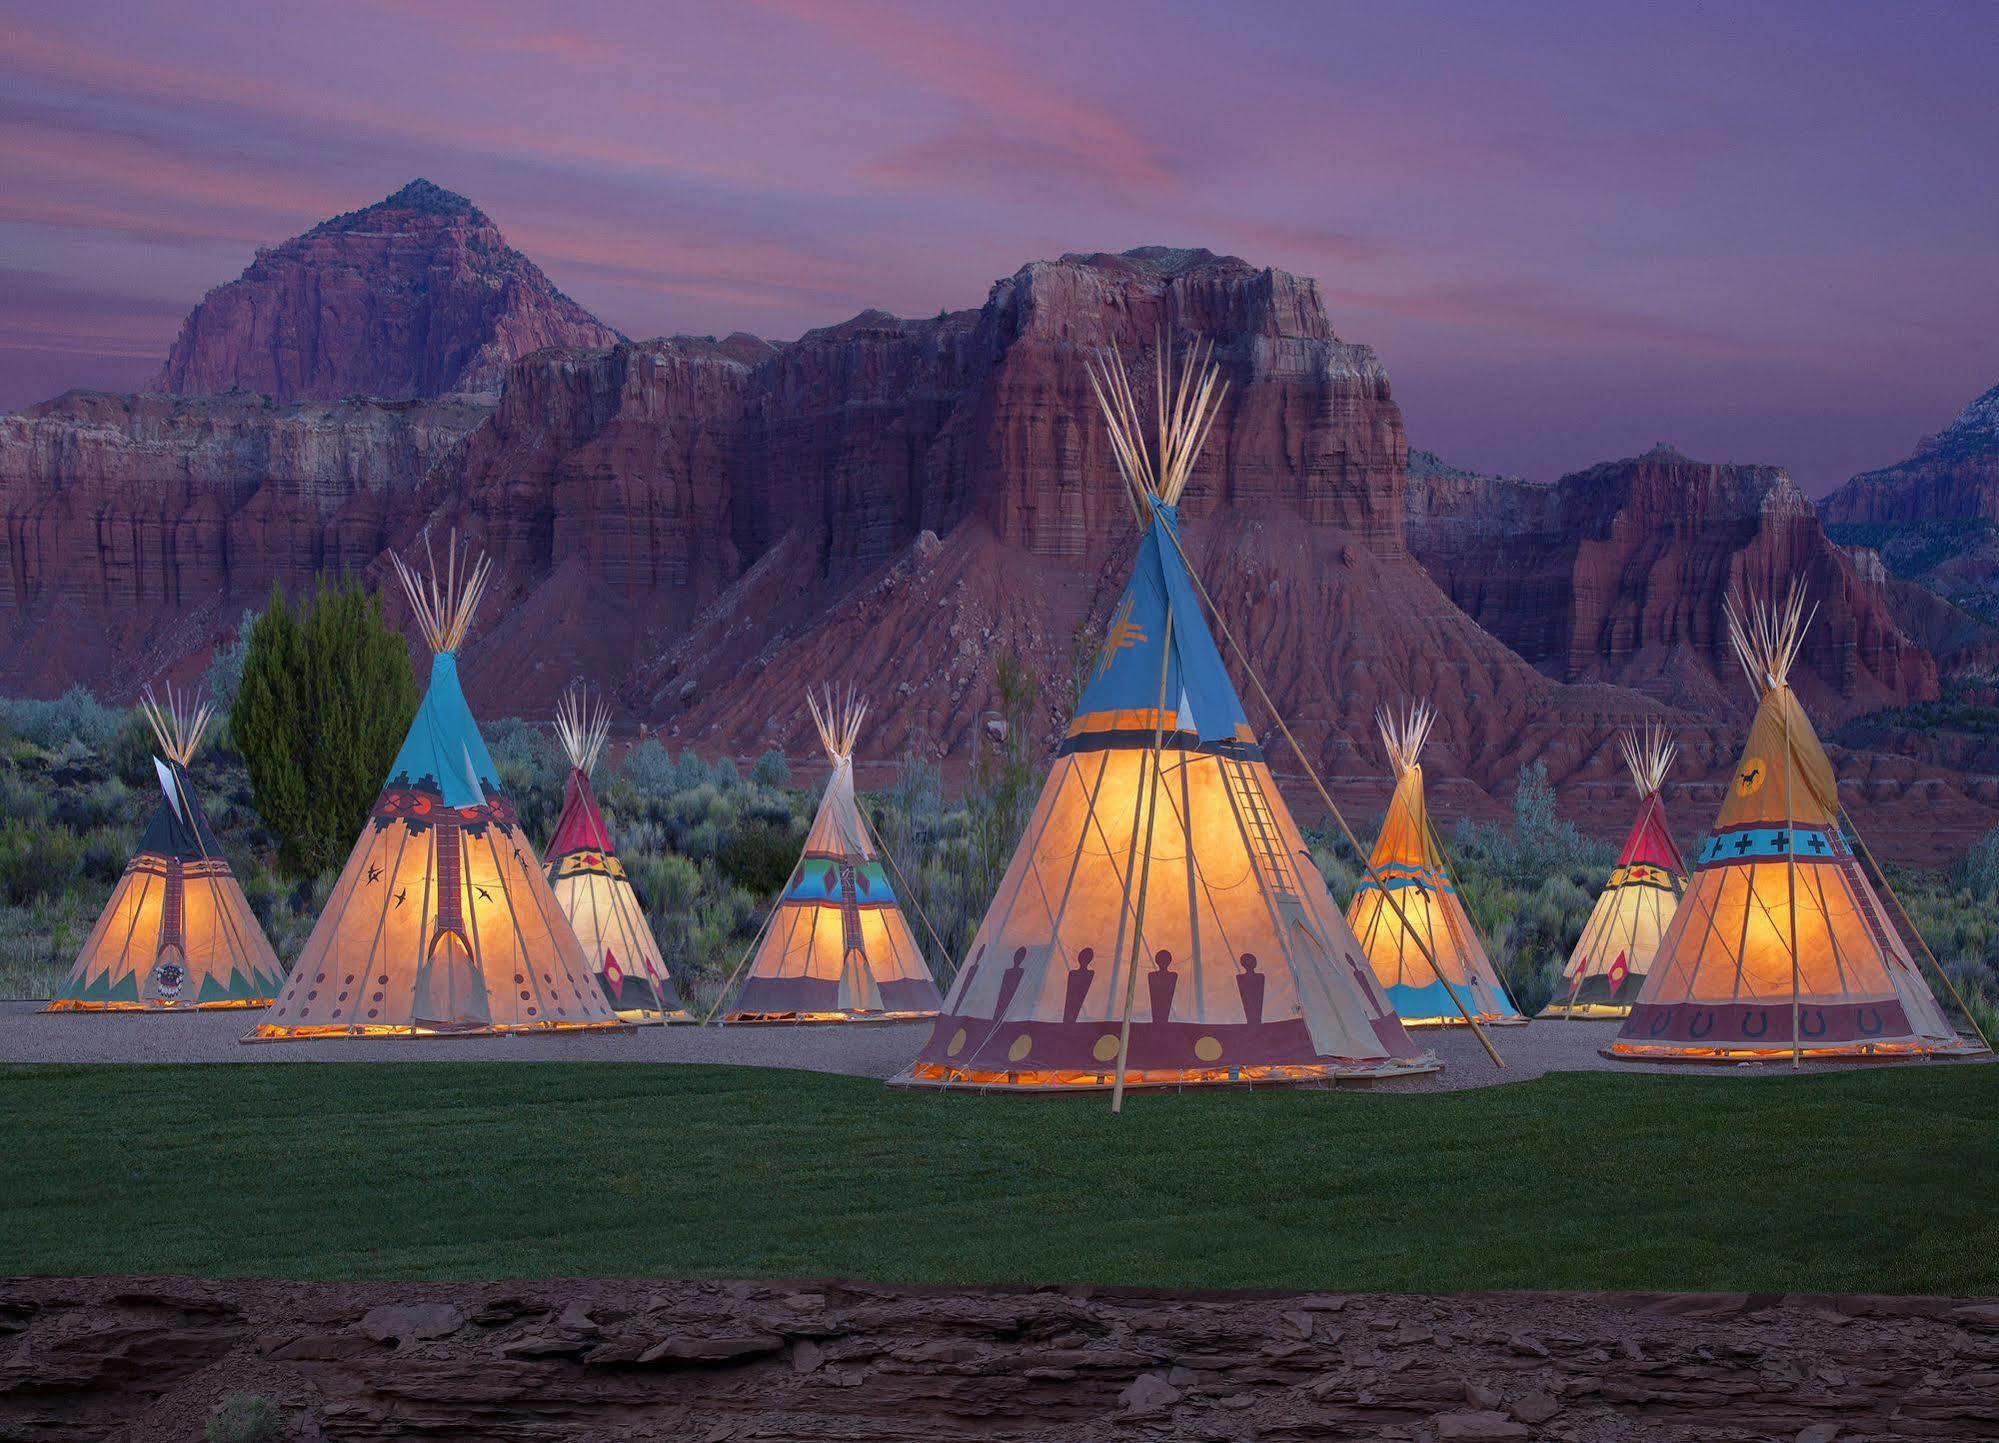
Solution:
(1781, 947)
(1157, 925)
(441, 922)
(177, 932)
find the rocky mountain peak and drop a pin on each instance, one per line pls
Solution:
(417, 295)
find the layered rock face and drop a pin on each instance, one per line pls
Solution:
(597, 1360)
(138, 527)
(708, 528)
(1935, 516)
(418, 295)
(1619, 574)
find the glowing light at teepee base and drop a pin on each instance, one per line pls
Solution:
(1161, 922)
(441, 924)
(1781, 949)
(1622, 936)
(836, 948)
(177, 934)
(1425, 951)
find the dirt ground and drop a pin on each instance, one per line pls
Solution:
(869, 1050)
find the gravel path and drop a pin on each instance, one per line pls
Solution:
(874, 1050)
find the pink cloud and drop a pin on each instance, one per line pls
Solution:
(1018, 125)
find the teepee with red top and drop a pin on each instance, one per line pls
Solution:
(590, 884)
(1617, 945)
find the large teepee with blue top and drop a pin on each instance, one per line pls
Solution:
(441, 923)
(1161, 922)
(177, 932)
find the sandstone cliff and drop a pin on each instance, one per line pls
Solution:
(1618, 574)
(1935, 516)
(418, 295)
(137, 528)
(708, 527)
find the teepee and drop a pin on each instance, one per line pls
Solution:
(836, 948)
(441, 923)
(1409, 862)
(1161, 921)
(589, 881)
(1618, 942)
(177, 932)
(1780, 948)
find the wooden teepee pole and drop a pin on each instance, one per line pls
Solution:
(1791, 888)
(1144, 865)
(1312, 775)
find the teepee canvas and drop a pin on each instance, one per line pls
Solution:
(1161, 921)
(590, 883)
(837, 948)
(1408, 862)
(177, 932)
(1780, 948)
(1617, 944)
(441, 923)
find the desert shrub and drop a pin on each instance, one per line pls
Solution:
(532, 768)
(647, 768)
(1980, 870)
(327, 697)
(75, 716)
(224, 677)
(759, 858)
(242, 1418)
(37, 860)
(771, 770)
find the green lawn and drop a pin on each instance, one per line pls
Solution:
(1875, 1181)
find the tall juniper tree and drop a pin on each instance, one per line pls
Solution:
(326, 698)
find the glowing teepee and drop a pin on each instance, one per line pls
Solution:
(1408, 862)
(590, 883)
(837, 947)
(1161, 922)
(441, 922)
(1780, 948)
(177, 932)
(1618, 942)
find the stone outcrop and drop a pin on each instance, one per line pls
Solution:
(707, 527)
(1618, 574)
(1935, 516)
(582, 1361)
(137, 528)
(418, 295)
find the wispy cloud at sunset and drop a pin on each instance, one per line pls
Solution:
(1570, 231)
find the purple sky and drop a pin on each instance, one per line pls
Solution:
(1765, 233)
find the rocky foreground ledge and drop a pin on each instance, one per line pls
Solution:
(150, 1358)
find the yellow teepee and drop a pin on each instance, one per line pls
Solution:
(1780, 948)
(441, 922)
(837, 947)
(1408, 862)
(1617, 944)
(589, 881)
(177, 932)
(1161, 922)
